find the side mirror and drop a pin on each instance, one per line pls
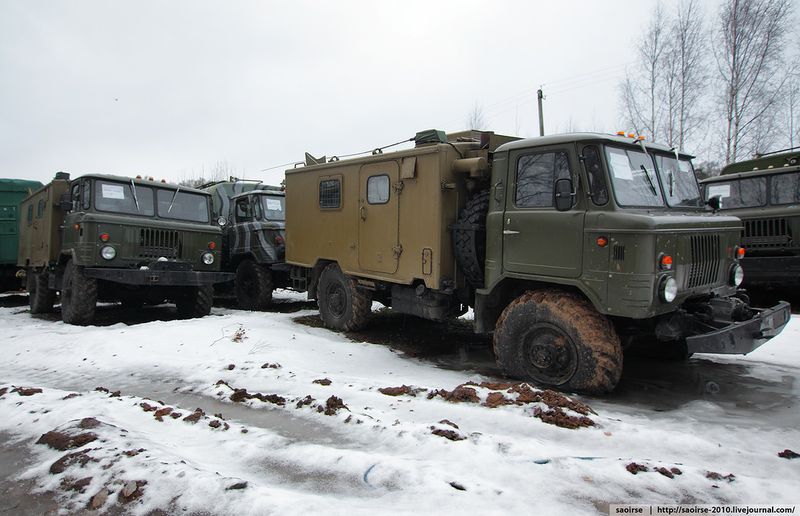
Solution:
(715, 202)
(564, 194)
(65, 202)
(222, 222)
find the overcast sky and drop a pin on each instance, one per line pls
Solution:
(172, 89)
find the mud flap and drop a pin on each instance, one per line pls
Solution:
(742, 337)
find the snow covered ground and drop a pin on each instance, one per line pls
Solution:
(259, 413)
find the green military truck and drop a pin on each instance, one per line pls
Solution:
(567, 247)
(252, 215)
(765, 193)
(104, 237)
(12, 191)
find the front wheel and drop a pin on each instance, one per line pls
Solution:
(253, 286)
(195, 301)
(342, 305)
(78, 296)
(558, 339)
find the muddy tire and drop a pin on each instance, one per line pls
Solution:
(342, 305)
(40, 298)
(253, 286)
(558, 339)
(195, 301)
(78, 296)
(470, 238)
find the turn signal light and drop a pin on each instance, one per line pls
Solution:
(640, 138)
(104, 237)
(278, 240)
(665, 262)
(631, 135)
(212, 245)
(740, 252)
(620, 133)
(601, 241)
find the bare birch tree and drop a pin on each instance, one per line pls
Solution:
(476, 119)
(640, 95)
(751, 64)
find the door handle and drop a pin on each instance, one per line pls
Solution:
(510, 232)
(363, 212)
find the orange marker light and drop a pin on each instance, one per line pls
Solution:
(620, 133)
(631, 135)
(76, 227)
(601, 241)
(740, 252)
(640, 137)
(665, 261)
(104, 237)
(212, 245)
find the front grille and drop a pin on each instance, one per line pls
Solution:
(619, 252)
(704, 268)
(155, 243)
(766, 233)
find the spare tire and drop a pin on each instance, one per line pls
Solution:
(469, 238)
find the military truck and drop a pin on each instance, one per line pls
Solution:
(105, 237)
(252, 216)
(12, 191)
(567, 248)
(765, 193)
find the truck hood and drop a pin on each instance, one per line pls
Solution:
(655, 221)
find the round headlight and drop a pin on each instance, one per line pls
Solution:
(737, 275)
(221, 221)
(669, 290)
(108, 252)
(208, 258)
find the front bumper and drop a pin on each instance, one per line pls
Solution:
(740, 338)
(771, 271)
(151, 277)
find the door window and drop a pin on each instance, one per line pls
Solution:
(378, 189)
(243, 211)
(594, 169)
(536, 177)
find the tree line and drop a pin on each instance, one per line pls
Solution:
(726, 85)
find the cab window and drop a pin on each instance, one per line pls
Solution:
(243, 211)
(594, 169)
(378, 189)
(536, 177)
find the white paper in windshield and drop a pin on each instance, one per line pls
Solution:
(273, 205)
(113, 191)
(684, 166)
(721, 190)
(621, 166)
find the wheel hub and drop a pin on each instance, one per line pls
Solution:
(549, 354)
(337, 300)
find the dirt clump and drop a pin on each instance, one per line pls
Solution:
(99, 499)
(71, 484)
(456, 485)
(215, 423)
(447, 434)
(88, 423)
(270, 366)
(556, 416)
(635, 468)
(449, 423)
(308, 400)
(664, 471)
(147, 407)
(160, 413)
(3, 391)
(27, 391)
(195, 416)
(79, 457)
(323, 381)
(462, 393)
(230, 367)
(133, 453)
(240, 395)
(70, 396)
(496, 399)
(63, 441)
(399, 391)
(175, 415)
(332, 406)
(788, 454)
(131, 491)
(713, 475)
(236, 486)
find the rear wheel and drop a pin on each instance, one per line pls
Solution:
(78, 296)
(253, 286)
(470, 238)
(558, 339)
(40, 297)
(195, 301)
(342, 305)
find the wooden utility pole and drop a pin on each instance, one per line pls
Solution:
(540, 95)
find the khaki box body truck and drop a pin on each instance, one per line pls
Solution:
(567, 247)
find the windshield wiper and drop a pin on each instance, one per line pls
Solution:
(649, 181)
(173, 199)
(135, 199)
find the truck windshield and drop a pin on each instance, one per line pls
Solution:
(678, 181)
(634, 177)
(273, 207)
(182, 206)
(785, 189)
(120, 198)
(739, 193)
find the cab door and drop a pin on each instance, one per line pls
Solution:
(538, 239)
(378, 218)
